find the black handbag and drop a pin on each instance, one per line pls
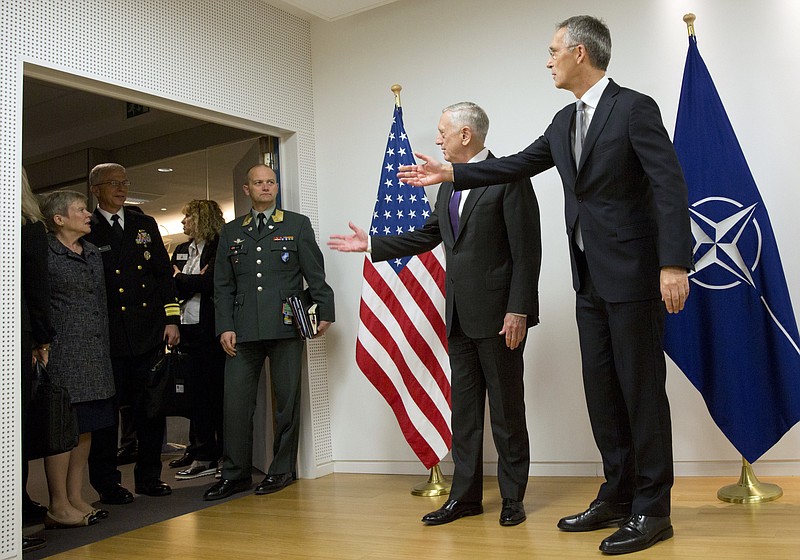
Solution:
(52, 422)
(166, 392)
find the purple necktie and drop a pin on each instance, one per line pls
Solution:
(455, 200)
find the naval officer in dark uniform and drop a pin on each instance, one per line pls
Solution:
(262, 259)
(143, 313)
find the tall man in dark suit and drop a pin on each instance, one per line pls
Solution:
(143, 313)
(492, 243)
(262, 259)
(630, 242)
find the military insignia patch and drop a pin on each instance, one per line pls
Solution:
(143, 238)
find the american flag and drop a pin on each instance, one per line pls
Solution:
(402, 340)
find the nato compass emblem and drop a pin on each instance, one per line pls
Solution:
(727, 243)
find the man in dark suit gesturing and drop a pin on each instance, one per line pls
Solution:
(492, 243)
(143, 313)
(630, 243)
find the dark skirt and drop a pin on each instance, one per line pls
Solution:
(94, 415)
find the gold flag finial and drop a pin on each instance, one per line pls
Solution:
(689, 19)
(396, 90)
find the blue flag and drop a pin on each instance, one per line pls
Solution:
(737, 339)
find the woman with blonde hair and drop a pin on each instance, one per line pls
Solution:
(193, 270)
(80, 358)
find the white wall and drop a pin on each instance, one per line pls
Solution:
(494, 53)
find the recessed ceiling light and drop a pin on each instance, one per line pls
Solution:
(163, 209)
(165, 170)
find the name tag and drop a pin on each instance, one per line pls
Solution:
(182, 257)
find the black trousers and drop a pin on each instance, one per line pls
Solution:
(130, 376)
(481, 367)
(624, 379)
(206, 364)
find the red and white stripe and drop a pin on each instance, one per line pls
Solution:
(402, 348)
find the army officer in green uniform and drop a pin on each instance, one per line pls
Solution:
(262, 259)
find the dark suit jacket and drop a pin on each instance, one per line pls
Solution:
(255, 273)
(629, 192)
(188, 285)
(493, 265)
(141, 294)
(35, 308)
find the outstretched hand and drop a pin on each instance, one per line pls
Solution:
(429, 173)
(356, 243)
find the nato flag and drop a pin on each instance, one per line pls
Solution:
(737, 339)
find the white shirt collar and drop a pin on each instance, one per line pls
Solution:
(107, 216)
(480, 156)
(592, 97)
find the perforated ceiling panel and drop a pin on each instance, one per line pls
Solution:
(238, 57)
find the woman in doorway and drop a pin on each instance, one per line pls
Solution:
(193, 270)
(79, 353)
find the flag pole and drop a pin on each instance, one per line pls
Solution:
(437, 484)
(749, 490)
(396, 90)
(689, 19)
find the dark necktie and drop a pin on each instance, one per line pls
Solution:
(580, 130)
(261, 221)
(455, 200)
(116, 227)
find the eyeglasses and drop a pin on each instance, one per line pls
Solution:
(553, 54)
(114, 184)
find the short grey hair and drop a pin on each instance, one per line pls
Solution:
(58, 203)
(593, 34)
(98, 172)
(469, 114)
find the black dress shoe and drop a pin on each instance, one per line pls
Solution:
(513, 513)
(153, 488)
(116, 495)
(99, 514)
(29, 544)
(183, 461)
(452, 510)
(600, 514)
(226, 487)
(274, 482)
(127, 456)
(638, 533)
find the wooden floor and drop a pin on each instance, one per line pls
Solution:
(353, 516)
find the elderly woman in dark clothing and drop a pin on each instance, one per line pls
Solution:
(79, 353)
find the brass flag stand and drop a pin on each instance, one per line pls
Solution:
(749, 490)
(437, 485)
